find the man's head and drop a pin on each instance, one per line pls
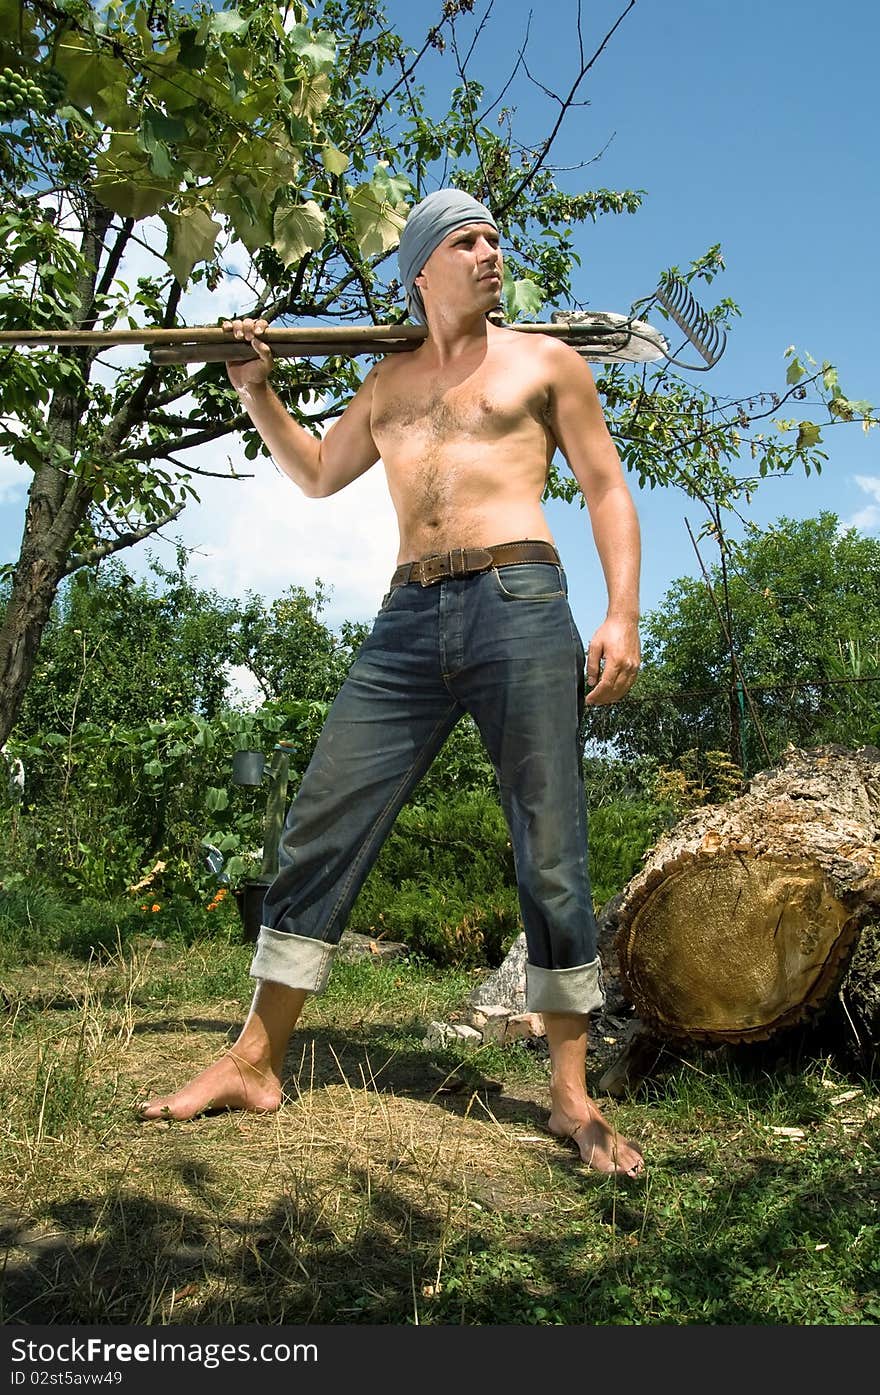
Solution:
(428, 224)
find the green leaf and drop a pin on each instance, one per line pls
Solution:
(125, 181)
(216, 799)
(318, 48)
(521, 297)
(309, 97)
(377, 224)
(192, 236)
(192, 52)
(808, 435)
(298, 229)
(334, 160)
(795, 371)
(394, 188)
(228, 22)
(155, 769)
(248, 211)
(87, 70)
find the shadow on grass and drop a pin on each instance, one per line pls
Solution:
(616, 1260)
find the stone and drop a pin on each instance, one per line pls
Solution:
(467, 1036)
(525, 1026)
(507, 984)
(478, 1017)
(495, 1028)
(440, 1034)
(354, 946)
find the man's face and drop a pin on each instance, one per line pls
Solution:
(464, 272)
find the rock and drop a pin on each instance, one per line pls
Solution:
(353, 946)
(467, 1036)
(478, 1017)
(525, 1026)
(507, 984)
(440, 1034)
(495, 1028)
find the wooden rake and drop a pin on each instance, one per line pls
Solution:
(598, 337)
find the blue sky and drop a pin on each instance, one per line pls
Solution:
(751, 125)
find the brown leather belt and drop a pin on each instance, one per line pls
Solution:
(468, 561)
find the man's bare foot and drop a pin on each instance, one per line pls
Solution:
(599, 1145)
(230, 1083)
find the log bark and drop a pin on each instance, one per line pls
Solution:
(746, 916)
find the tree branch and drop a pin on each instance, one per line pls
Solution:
(565, 103)
(109, 273)
(109, 546)
(151, 449)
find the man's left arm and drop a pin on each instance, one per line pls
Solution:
(581, 432)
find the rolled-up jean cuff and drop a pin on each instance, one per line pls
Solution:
(297, 961)
(577, 990)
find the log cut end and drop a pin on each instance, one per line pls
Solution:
(731, 946)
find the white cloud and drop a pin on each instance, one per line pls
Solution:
(14, 480)
(262, 534)
(870, 484)
(866, 520)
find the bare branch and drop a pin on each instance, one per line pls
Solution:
(487, 183)
(513, 72)
(109, 273)
(111, 545)
(478, 31)
(188, 469)
(150, 450)
(566, 103)
(381, 102)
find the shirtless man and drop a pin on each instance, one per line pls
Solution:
(466, 426)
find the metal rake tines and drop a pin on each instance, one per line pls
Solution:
(691, 319)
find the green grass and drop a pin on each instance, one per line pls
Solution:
(402, 1184)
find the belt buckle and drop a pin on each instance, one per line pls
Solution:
(457, 555)
(425, 570)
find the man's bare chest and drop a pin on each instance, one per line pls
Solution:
(484, 405)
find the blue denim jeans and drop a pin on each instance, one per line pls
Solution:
(502, 646)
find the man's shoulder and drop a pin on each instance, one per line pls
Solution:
(555, 359)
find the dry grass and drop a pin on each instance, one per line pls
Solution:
(232, 1218)
(395, 1184)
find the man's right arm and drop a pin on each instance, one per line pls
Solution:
(319, 466)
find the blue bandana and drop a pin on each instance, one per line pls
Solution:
(428, 223)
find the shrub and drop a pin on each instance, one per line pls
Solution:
(620, 833)
(444, 883)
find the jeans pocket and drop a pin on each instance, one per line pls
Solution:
(531, 581)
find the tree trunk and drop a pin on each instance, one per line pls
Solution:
(58, 504)
(40, 568)
(746, 915)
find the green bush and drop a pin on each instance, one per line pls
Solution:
(444, 883)
(620, 833)
(102, 807)
(41, 921)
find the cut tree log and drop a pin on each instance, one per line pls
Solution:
(746, 916)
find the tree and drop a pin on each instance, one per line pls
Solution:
(799, 593)
(117, 650)
(294, 146)
(289, 649)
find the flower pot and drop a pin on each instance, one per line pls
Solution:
(249, 899)
(248, 767)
